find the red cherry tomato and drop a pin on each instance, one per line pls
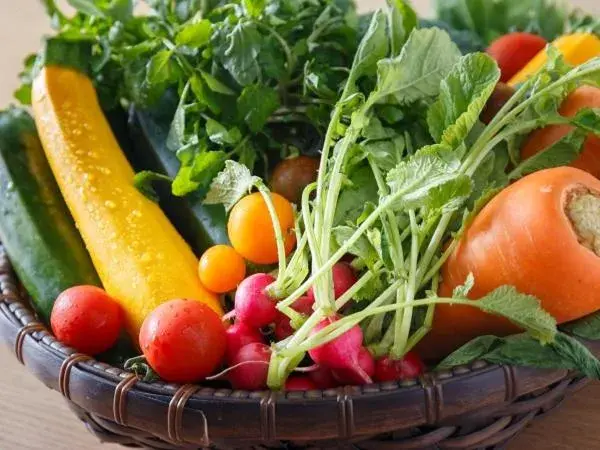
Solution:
(183, 340)
(409, 367)
(87, 319)
(514, 50)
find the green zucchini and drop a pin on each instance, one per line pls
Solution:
(36, 228)
(202, 226)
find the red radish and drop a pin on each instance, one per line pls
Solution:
(300, 383)
(304, 305)
(323, 378)
(343, 279)
(283, 327)
(239, 335)
(252, 304)
(350, 377)
(342, 352)
(409, 367)
(250, 367)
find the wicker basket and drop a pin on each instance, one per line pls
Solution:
(480, 406)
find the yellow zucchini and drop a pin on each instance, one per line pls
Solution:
(577, 49)
(139, 256)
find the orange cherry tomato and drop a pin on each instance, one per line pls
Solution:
(514, 50)
(221, 269)
(184, 341)
(589, 159)
(525, 237)
(87, 319)
(251, 230)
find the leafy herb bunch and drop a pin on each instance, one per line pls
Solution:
(249, 74)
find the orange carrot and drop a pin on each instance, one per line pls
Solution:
(541, 235)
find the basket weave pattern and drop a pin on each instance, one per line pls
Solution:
(476, 406)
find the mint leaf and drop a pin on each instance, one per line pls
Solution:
(218, 134)
(199, 174)
(215, 85)
(427, 57)
(194, 34)
(143, 182)
(241, 56)
(87, 7)
(254, 7)
(229, 186)
(561, 153)
(463, 95)
(256, 104)
(586, 328)
(161, 68)
(523, 310)
(176, 135)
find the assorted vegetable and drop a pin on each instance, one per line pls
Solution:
(366, 194)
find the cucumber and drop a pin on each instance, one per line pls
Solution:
(202, 226)
(36, 228)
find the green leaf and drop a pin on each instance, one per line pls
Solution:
(240, 58)
(450, 196)
(194, 34)
(387, 153)
(215, 85)
(463, 290)
(219, 134)
(523, 310)
(198, 175)
(427, 57)
(415, 178)
(524, 350)
(561, 153)
(587, 119)
(143, 182)
(229, 186)
(23, 94)
(470, 352)
(586, 328)
(463, 96)
(161, 68)
(254, 8)
(402, 20)
(176, 136)
(256, 104)
(87, 7)
(373, 47)
(363, 248)
(360, 190)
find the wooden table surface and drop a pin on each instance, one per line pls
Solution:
(35, 418)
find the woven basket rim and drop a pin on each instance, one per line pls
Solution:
(429, 400)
